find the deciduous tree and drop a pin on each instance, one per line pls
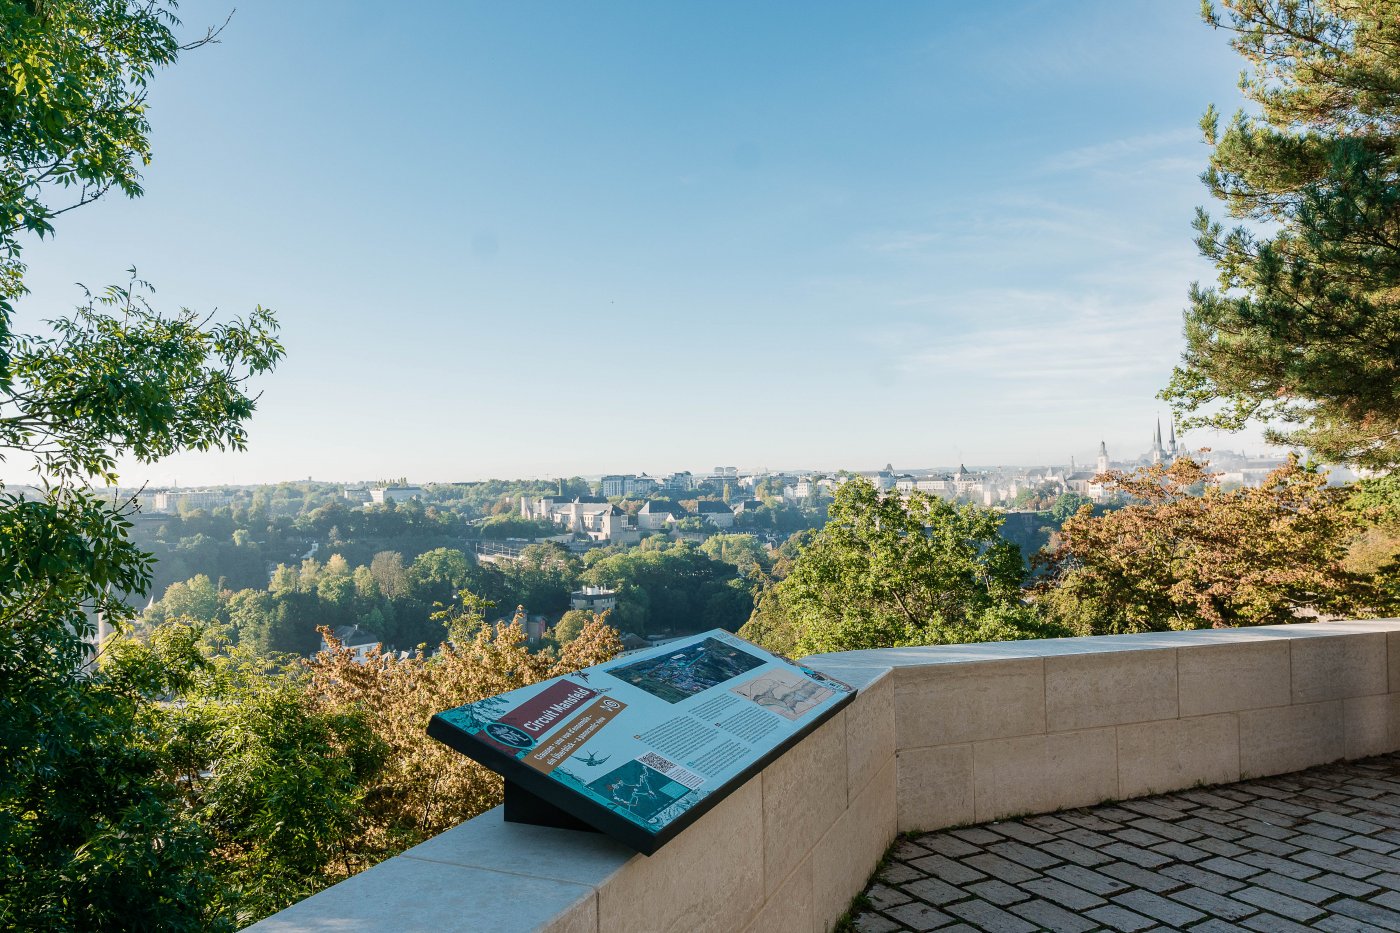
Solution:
(1174, 559)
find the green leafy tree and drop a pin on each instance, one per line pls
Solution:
(1302, 328)
(196, 598)
(89, 836)
(1067, 504)
(277, 783)
(570, 625)
(886, 571)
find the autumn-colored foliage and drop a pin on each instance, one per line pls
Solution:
(425, 787)
(1185, 553)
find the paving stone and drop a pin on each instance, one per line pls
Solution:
(997, 892)
(1067, 895)
(883, 897)
(1220, 884)
(1214, 925)
(1019, 831)
(1166, 830)
(1152, 808)
(1074, 852)
(1180, 852)
(1309, 843)
(1260, 828)
(1025, 855)
(976, 835)
(1088, 879)
(1281, 866)
(1207, 799)
(1344, 885)
(1159, 908)
(1228, 866)
(1316, 850)
(1088, 820)
(918, 916)
(1223, 846)
(1119, 918)
(1087, 837)
(1051, 824)
(934, 891)
(1339, 865)
(1367, 913)
(1302, 890)
(873, 923)
(943, 844)
(1370, 844)
(1136, 837)
(1272, 846)
(1000, 868)
(1272, 923)
(1047, 916)
(990, 918)
(1212, 829)
(898, 873)
(1361, 826)
(1333, 923)
(1141, 877)
(940, 866)
(1284, 807)
(1278, 903)
(1212, 904)
(1315, 828)
(1365, 857)
(905, 850)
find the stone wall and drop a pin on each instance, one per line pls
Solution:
(936, 737)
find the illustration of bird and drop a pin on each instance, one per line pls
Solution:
(591, 760)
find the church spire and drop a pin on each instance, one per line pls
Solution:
(1173, 438)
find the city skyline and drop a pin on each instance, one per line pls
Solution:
(801, 236)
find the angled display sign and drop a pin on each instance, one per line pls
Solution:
(641, 746)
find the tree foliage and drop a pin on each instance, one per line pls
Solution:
(426, 787)
(90, 837)
(1172, 559)
(1303, 326)
(887, 571)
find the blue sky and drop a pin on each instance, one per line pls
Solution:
(512, 239)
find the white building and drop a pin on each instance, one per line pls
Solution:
(592, 516)
(597, 599)
(658, 516)
(188, 499)
(382, 494)
(718, 514)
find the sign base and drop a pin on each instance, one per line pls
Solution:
(521, 806)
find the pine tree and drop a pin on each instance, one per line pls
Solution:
(1302, 329)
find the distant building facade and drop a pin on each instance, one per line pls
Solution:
(382, 494)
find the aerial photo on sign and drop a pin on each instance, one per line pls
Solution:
(640, 746)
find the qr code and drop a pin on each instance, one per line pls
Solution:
(653, 760)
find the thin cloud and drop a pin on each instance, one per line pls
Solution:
(1137, 148)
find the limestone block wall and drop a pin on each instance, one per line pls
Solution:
(936, 737)
(986, 732)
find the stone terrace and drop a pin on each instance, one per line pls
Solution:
(1313, 850)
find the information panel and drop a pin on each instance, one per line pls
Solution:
(641, 746)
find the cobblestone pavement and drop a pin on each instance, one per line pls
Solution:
(1315, 850)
